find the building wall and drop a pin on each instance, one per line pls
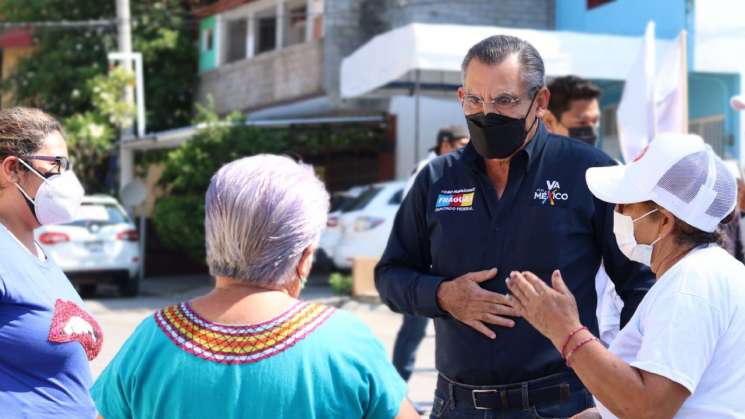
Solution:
(709, 92)
(709, 95)
(347, 25)
(291, 73)
(351, 23)
(434, 113)
(708, 100)
(535, 14)
(624, 17)
(207, 44)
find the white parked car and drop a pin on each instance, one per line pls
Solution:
(330, 237)
(366, 225)
(101, 244)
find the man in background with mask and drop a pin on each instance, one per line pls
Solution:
(449, 139)
(414, 328)
(514, 199)
(573, 110)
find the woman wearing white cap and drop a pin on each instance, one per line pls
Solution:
(681, 354)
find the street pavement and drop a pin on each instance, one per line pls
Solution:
(120, 316)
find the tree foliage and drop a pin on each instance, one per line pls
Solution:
(56, 77)
(90, 135)
(89, 138)
(69, 75)
(179, 216)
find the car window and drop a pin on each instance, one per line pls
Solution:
(340, 202)
(361, 201)
(397, 198)
(100, 214)
(336, 202)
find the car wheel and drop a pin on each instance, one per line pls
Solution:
(87, 290)
(128, 287)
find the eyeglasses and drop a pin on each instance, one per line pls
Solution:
(60, 163)
(505, 102)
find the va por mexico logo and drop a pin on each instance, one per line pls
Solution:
(552, 194)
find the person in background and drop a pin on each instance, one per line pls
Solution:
(46, 335)
(251, 347)
(573, 108)
(574, 111)
(449, 139)
(680, 355)
(413, 328)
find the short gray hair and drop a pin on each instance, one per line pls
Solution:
(494, 49)
(261, 213)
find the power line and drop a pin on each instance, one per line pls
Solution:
(189, 18)
(64, 24)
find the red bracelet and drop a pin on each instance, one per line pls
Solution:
(577, 348)
(569, 339)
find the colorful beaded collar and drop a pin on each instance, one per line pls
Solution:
(229, 344)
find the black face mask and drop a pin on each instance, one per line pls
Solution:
(587, 134)
(497, 136)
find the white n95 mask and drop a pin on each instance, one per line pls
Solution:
(58, 198)
(623, 228)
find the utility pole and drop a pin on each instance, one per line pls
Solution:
(126, 156)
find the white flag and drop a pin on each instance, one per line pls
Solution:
(636, 110)
(653, 101)
(671, 90)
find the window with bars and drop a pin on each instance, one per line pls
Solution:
(266, 34)
(236, 39)
(711, 129)
(296, 24)
(208, 40)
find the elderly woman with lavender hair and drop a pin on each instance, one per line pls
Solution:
(250, 348)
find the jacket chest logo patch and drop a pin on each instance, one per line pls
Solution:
(551, 195)
(455, 200)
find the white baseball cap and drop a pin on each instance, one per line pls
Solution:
(679, 172)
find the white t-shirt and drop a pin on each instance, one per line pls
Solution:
(690, 328)
(609, 307)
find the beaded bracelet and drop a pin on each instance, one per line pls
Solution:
(578, 347)
(569, 339)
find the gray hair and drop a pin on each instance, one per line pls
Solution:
(261, 213)
(494, 49)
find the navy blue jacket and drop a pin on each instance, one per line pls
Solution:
(452, 223)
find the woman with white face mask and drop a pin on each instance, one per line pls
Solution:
(46, 336)
(681, 353)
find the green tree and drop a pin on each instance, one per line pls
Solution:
(108, 96)
(90, 135)
(178, 217)
(89, 138)
(56, 77)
